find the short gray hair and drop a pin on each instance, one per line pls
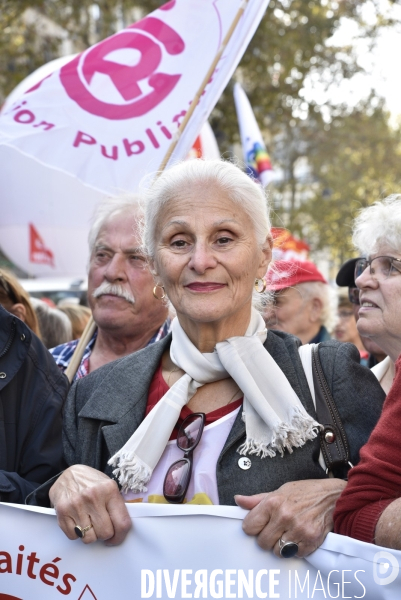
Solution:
(223, 175)
(108, 209)
(379, 224)
(55, 327)
(327, 296)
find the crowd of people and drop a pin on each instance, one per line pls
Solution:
(210, 372)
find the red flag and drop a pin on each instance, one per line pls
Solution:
(287, 247)
(38, 253)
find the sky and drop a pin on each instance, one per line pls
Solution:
(382, 66)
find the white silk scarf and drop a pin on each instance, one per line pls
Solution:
(275, 419)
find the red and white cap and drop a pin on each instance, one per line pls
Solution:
(287, 273)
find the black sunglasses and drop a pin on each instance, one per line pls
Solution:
(178, 476)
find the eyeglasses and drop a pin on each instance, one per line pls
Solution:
(381, 267)
(353, 295)
(178, 476)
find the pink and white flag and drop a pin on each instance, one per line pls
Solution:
(99, 123)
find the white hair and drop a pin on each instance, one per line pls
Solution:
(110, 208)
(379, 224)
(226, 177)
(328, 298)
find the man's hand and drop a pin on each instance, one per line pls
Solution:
(84, 496)
(299, 511)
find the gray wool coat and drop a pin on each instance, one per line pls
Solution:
(105, 408)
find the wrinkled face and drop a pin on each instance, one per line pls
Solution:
(380, 304)
(368, 344)
(207, 256)
(120, 279)
(290, 312)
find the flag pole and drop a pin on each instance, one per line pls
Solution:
(202, 86)
(80, 349)
(91, 325)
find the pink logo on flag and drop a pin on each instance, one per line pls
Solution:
(146, 41)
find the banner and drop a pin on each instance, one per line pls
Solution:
(183, 551)
(253, 147)
(98, 124)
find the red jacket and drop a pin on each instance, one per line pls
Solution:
(376, 481)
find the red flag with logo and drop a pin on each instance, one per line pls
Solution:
(38, 253)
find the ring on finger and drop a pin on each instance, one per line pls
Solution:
(81, 531)
(288, 549)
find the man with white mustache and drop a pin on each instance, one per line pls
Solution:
(129, 311)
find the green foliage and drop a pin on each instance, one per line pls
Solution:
(22, 50)
(355, 161)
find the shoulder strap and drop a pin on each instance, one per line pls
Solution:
(333, 439)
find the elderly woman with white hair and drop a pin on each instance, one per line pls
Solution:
(220, 411)
(370, 508)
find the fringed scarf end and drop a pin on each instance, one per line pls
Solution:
(286, 436)
(131, 472)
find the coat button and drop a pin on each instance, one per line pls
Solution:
(22, 337)
(3, 375)
(329, 436)
(244, 463)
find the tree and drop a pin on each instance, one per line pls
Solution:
(22, 48)
(289, 48)
(355, 161)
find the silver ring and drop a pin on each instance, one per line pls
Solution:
(81, 531)
(287, 549)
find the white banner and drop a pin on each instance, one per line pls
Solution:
(101, 122)
(254, 151)
(181, 552)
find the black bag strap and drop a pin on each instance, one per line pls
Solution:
(333, 439)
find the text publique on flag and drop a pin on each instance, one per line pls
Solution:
(141, 81)
(99, 123)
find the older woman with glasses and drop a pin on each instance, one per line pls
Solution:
(369, 508)
(220, 411)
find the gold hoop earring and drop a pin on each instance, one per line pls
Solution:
(257, 283)
(159, 297)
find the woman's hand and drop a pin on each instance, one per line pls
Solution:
(299, 511)
(84, 496)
